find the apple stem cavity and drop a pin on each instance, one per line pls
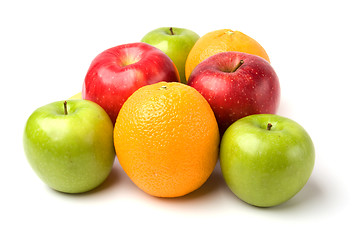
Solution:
(269, 126)
(65, 108)
(171, 31)
(238, 65)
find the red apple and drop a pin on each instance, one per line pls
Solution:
(119, 71)
(236, 85)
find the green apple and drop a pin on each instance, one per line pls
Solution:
(266, 159)
(70, 145)
(175, 42)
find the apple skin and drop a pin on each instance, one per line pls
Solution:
(266, 167)
(70, 153)
(118, 72)
(236, 90)
(176, 43)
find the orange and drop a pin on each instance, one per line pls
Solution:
(166, 139)
(222, 41)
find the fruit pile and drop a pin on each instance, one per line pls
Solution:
(168, 107)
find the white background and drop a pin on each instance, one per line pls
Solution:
(45, 50)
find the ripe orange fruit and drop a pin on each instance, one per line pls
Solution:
(223, 40)
(166, 139)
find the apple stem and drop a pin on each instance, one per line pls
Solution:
(171, 31)
(238, 65)
(269, 126)
(65, 108)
